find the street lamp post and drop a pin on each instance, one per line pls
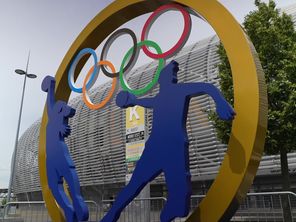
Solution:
(31, 76)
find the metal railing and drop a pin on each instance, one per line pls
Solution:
(35, 211)
(267, 206)
(260, 207)
(139, 210)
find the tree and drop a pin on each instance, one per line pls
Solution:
(274, 38)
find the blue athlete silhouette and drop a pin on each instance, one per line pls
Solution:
(59, 164)
(166, 150)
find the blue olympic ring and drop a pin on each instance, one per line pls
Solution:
(73, 65)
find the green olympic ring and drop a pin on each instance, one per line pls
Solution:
(150, 85)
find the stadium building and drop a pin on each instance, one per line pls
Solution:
(97, 142)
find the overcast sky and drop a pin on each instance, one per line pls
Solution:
(47, 28)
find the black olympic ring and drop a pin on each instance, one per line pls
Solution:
(109, 42)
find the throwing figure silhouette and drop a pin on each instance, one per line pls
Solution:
(166, 150)
(59, 164)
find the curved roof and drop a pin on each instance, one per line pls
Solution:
(291, 10)
(97, 142)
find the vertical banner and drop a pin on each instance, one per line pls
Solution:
(135, 144)
(135, 137)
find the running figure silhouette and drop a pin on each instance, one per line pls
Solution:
(59, 164)
(166, 150)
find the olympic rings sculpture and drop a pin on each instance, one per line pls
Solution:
(248, 128)
(129, 59)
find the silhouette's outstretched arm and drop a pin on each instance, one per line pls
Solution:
(145, 102)
(125, 99)
(223, 108)
(48, 85)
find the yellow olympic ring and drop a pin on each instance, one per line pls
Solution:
(250, 102)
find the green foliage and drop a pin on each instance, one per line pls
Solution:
(274, 38)
(226, 85)
(4, 201)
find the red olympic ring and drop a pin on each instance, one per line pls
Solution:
(183, 38)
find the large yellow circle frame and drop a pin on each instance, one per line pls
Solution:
(246, 143)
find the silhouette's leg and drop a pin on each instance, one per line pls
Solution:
(178, 181)
(56, 186)
(79, 205)
(146, 170)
